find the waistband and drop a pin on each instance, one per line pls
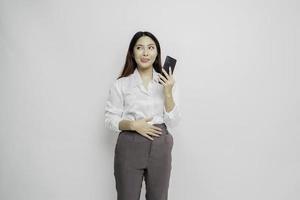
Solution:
(163, 127)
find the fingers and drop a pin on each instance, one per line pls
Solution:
(162, 78)
(153, 134)
(162, 82)
(165, 73)
(170, 71)
(150, 130)
(158, 133)
(147, 136)
(155, 128)
(155, 131)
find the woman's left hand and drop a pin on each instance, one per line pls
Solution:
(167, 82)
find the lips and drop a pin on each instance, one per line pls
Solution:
(144, 60)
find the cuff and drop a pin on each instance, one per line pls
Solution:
(172, 113)
(115, 125)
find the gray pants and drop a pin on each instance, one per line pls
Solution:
(137, 157)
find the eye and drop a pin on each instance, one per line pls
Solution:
(152, 47)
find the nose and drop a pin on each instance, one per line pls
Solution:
(145, 52)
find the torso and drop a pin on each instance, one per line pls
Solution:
(146, 83)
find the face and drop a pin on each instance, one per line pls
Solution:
(145, 52)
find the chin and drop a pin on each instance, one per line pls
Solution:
(145, 66)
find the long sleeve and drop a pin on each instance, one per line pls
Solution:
(173, 117)
(114, 108)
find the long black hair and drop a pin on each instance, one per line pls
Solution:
(130, 64)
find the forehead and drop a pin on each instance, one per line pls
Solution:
(145, 40)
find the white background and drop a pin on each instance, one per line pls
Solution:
(238, 75)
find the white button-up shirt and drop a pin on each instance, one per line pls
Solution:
(129, 99)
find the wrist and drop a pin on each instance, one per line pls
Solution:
(168, 93)
(132, 125)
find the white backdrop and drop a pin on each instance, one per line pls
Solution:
(238, 78)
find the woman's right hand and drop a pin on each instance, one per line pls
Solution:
(145, 129)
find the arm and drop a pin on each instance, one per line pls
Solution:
(114, 110)
(172, 115)
(169, 101)
(126, 125)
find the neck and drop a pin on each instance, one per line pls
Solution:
(146, 74)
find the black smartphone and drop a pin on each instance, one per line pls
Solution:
(169, 62)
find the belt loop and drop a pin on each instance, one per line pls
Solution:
(165, 128)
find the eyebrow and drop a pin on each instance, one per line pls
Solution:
(142, 45)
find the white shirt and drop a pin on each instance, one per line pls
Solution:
(129, 99)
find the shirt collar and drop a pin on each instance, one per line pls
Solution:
(137, 79)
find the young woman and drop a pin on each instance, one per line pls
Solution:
(140, 107)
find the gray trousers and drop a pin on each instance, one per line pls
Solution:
(137, 157)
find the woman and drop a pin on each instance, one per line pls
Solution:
(140, 107)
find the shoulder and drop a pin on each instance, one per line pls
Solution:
(122, 84)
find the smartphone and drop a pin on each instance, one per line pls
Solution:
(169, 62)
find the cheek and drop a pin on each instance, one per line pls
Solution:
(154, 56)
(137, 54)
